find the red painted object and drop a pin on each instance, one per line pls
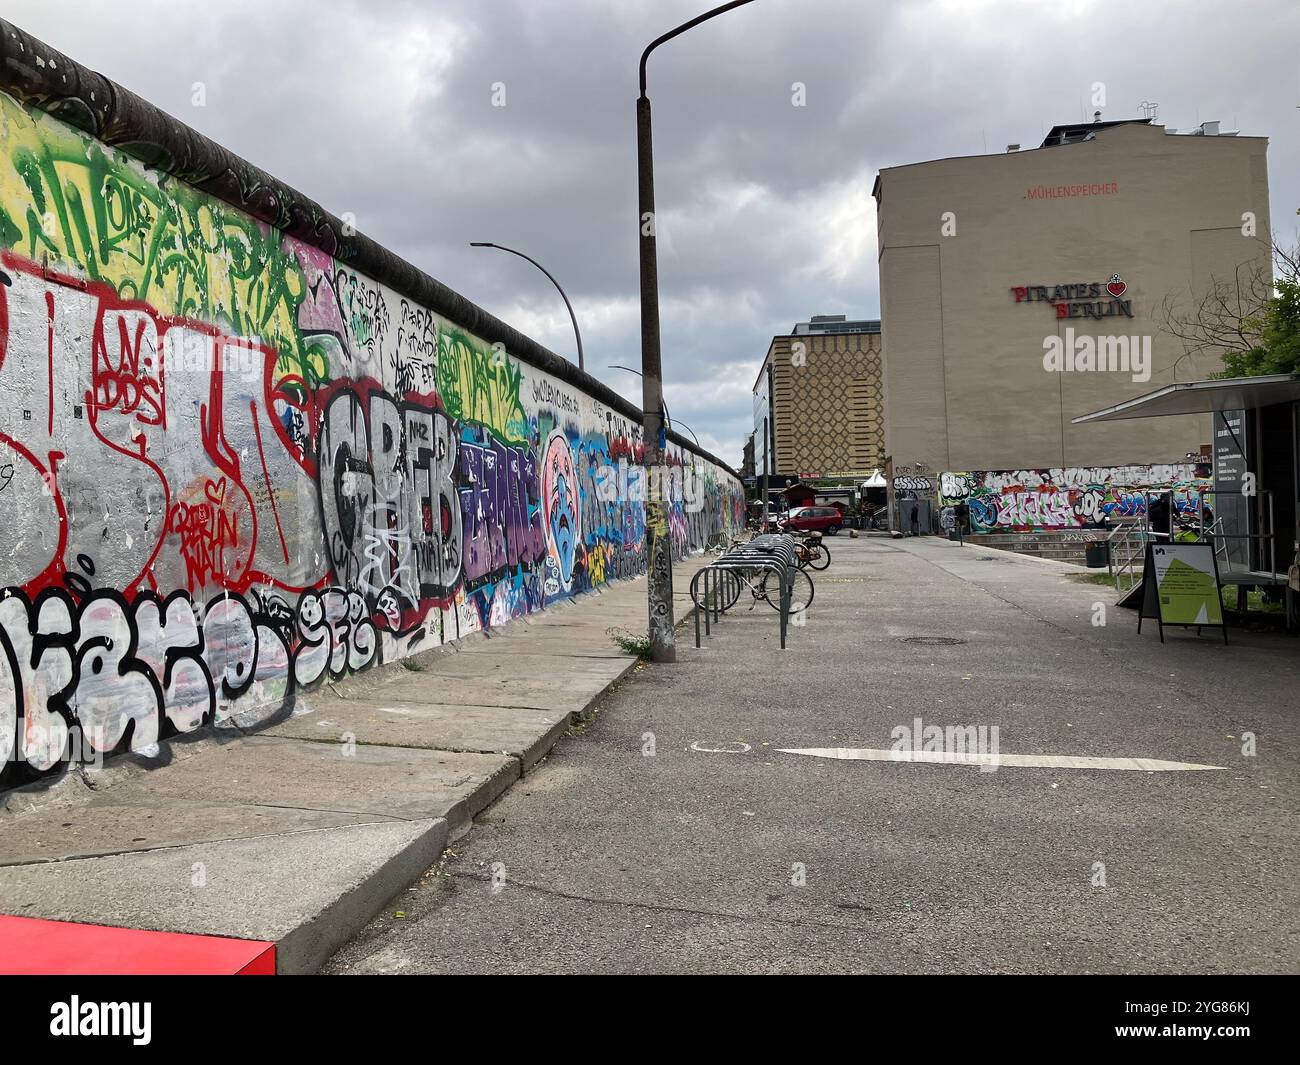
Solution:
(816, 519)
(30, 946)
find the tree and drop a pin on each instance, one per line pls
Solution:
(1251, 320)
(1278, 350)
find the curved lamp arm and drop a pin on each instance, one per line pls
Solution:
(572, 317)
(682, 29)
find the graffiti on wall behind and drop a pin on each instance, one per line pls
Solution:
(1071, 498)
(231, 467)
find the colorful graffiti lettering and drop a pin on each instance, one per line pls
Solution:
(1075, 498)
(232, 468)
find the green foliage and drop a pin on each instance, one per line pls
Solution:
(630, 643)
(1278, 329)
(1255, 601)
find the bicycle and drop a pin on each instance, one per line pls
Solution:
(723, 593)
(813, 554)
(722, 546)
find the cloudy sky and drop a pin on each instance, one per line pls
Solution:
(384, 108)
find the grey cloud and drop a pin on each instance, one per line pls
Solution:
(384, 109)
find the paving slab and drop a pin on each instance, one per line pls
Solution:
(510, 666)
(543, 642)
(519, 732)
(556, 691)
(113, 823)
(398, 782)
(307, 892)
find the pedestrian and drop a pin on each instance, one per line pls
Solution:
(915, 518)
(1158, 516)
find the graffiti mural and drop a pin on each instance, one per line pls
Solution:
(1073, 498)
(561, 508)
(233, 468)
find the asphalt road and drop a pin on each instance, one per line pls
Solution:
(717, 853)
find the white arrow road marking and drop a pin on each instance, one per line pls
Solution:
(1030, 761)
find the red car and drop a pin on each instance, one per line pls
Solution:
(816, 519)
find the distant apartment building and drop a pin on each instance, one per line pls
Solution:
(1006, 279)
(820, 398)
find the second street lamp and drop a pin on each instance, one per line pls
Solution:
(667, 416)
(577, 336)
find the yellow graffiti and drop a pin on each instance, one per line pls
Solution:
(481, 384)
(71, 203)
(599, 556)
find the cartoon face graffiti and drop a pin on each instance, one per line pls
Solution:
(560, 500)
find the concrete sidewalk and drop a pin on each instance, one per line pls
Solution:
(299, 833)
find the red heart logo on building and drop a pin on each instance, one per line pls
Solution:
(1116, 287)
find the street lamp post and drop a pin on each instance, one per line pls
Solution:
(672, 422)
(572, 317)
(659, 547)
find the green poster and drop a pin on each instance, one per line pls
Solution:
(1187, 584)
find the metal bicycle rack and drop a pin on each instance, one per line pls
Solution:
(770, 552)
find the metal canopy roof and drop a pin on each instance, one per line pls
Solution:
(1203, 397)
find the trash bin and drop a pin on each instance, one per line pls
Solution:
(1096, 554)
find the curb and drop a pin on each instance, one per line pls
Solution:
(306, 948)
(345, 896)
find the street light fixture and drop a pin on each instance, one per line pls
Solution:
(672, 422)
(572, 317)
(659, 547)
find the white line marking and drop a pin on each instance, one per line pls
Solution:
(1029, 761)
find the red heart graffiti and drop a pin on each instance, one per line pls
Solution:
(1116, 287)
(216, 493)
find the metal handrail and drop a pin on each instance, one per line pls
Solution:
(1130, 538)
(1127, 543)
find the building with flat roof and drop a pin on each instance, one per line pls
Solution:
(1020, 290)
(820, 400)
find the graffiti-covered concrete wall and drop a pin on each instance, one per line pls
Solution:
(232, 465)
(1072, 498)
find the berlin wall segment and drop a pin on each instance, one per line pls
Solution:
(233, 466)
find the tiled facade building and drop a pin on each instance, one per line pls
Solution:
(821, 395)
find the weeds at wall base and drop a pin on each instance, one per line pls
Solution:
(636, 645)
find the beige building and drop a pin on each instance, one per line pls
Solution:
(990, 265)
(819, 392)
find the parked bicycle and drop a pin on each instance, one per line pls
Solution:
(812, 553)
(763, 585)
